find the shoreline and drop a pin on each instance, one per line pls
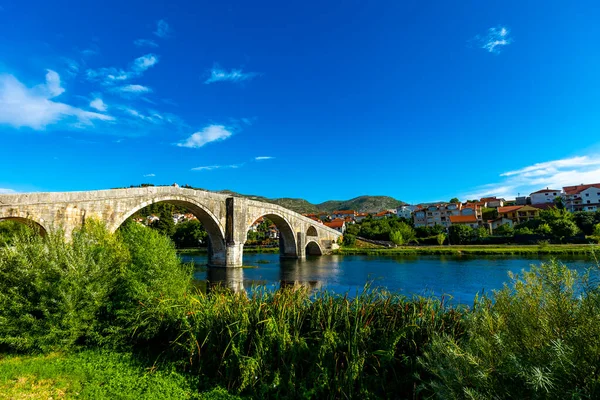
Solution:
(549, 249)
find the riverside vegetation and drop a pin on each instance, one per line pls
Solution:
(116, 315)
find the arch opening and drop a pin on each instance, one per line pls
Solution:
(312, 231)
(271, 230)
(188, 224)
(10, 227)
(313, 249)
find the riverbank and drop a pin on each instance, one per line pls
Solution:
(545, 249)
(204, 250)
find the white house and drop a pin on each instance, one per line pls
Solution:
(544, 196)
(405, 211)
(337, 224)
(582, 197)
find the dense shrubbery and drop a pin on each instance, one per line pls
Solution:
(538, 338)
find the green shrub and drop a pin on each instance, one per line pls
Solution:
(537, 339)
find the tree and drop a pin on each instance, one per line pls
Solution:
(563, 228)
(558, 203)
(544, 229)
(189, 234)
(441, 238)
(460, 234)
(407, 232)
(165, 224)
(585, 221)
(481, 233)
(504, 230)
(454, 200)
(349, 240)
(489, 213)
(396, 237)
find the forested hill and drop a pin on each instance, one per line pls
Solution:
(360, 204)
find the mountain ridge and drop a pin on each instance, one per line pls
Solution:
(363, 203)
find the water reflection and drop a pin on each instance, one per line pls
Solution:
(460, 277)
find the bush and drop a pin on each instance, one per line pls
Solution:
(460, 234)
(349, 240)
(537, 339)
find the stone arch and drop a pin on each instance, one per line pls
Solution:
(30, 222)
(312, 231)
(287, 237)
(216, 234)
(313, 249)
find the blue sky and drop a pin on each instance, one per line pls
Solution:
(319, 100)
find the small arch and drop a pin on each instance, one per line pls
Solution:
(287, 238)
(34, 225)
(313, 249)
(311, 231)
(216, 236)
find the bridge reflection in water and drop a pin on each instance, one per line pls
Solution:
(312, 274)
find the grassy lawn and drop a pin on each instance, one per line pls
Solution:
(475, 249)
(94, 375)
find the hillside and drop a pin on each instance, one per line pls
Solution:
(360, 204)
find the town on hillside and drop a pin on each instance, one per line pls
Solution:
(488, 212)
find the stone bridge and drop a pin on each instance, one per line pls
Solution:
(226, 219)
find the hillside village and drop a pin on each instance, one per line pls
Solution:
(487, 212)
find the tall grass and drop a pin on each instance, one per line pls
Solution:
(538, 337)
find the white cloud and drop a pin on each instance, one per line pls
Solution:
(149, 176)
(213, 167)
(142, 63)
(211, 133)
(553, 174)
(494, 40)
(7, 191)
(145, 43)
(111, 75)
(163, 29)
(261, 158)
(24, 107)
(218, 74)
(133, 89)
(98, 104)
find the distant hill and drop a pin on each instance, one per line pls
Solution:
(361, 204)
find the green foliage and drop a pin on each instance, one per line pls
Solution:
(441, 238)
(544, 229)
(403, 233)
(488, 213)
(504, 230)
(429, 231)
(536, 339)
(56, 294)
(349, 240)
(454, 200)
(165, 225)
(190, 234)
(460, 234)
(523, 231)
(380, 229)
(9, 230)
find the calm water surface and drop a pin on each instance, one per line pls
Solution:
(460, 277)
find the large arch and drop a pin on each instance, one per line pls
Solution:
(33, 224)
(313, 249)
(287, 237)
(216, 234)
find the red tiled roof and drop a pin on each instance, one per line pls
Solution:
(507, 209)
(336, 223)
(463, 219)
(547, 191)
(570, 190)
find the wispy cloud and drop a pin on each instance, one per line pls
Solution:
(218, 74)
(111, 75)
(211, 133)
(133, 89)
(213, 167)
(553, 174)
(261, 158)
(98, 104)
(163, 30)
(149, 176)
(7, 191)
(21, 106)
(494, 40)
(145, 43)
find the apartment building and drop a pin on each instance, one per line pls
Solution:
(406, 211)
(439, 214)
(582, 197)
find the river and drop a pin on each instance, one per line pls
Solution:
(461, 278)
